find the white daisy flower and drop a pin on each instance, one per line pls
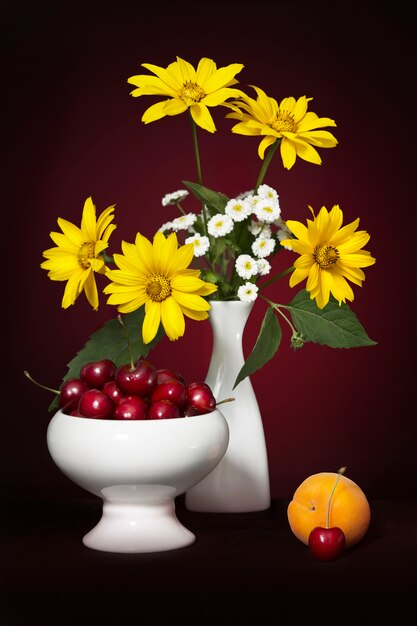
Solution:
(246, 266)
(237, 209)
(264, 267)
(267, 192)
(201, 244)
(247, 292)
(263, 246)
(164, 227)
(174, 197)
(184, 222)
(251, 201)
(220, 225)
(256, 228)
(267, 211)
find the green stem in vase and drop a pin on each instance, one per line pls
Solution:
(266, 163)
(274, 278)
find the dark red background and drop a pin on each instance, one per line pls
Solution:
(72, 130)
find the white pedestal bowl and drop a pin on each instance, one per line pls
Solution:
(137, 468)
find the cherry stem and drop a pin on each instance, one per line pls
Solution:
(26, 373)
(119, 317)
(225, 400)
(339, 474)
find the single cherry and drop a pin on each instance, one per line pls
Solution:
(166, 374)
(327, 544)
(97, 373)
(112, 390)
(163, 409)
(200, 399)
(131, 408)
(138, 380)
(173, 390)
(70, 392)
(95, 404)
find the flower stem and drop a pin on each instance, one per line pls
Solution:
(274, 278)
(197, 154)
(339, 474)
(277, 308)
(266, 163)
(199, 175)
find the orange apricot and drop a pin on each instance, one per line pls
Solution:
(349, 507)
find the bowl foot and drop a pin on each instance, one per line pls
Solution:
(138, 518)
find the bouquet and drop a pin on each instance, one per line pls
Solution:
(221, 248)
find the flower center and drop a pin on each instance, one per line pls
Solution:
(190, 93)
(325, 255)
(85, 253)
(158, 288)
(283, 121)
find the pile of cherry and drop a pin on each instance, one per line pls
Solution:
(104, 391)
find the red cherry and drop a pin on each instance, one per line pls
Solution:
(97, 373)
(326, 544)
(131, 408)
(70, 392)
(112, 390)
(172, 390)
(163, 409)
(200, 399)
(95, 404)
(139, 380)
(165, 374)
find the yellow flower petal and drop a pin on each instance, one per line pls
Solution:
(221, 77)
(172, 319)
(202, 117)
(151, 321)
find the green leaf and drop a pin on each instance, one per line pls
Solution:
(212, 199)
(335, 326)
(109, 342)
(265, 347)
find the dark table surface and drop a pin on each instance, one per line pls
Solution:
(244, 568)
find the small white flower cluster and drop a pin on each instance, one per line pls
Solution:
(201, 244)
(174, 197)
(265, 211)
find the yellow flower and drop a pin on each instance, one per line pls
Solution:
(78, 254)
(288, 121)
(187, 88)
(156, 275)
(329, 254)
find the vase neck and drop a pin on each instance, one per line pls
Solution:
(228, 320)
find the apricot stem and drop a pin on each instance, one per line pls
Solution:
(339, 474)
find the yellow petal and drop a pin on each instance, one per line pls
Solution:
(187, 71)
(88, 221)
(221, 77)
(299, 230)
(202, 117)
(190, 301)
(357, 241)
(186, 284)
(165, 75)
(72, 232)
(151, 322)
(172, 319)
(163, 251)
(155, 112)
(175, 106)
(298, 275)
(90, 289)
(206, 67)
(288, 153)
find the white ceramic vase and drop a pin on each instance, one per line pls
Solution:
(240, 482)
(137, 468)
